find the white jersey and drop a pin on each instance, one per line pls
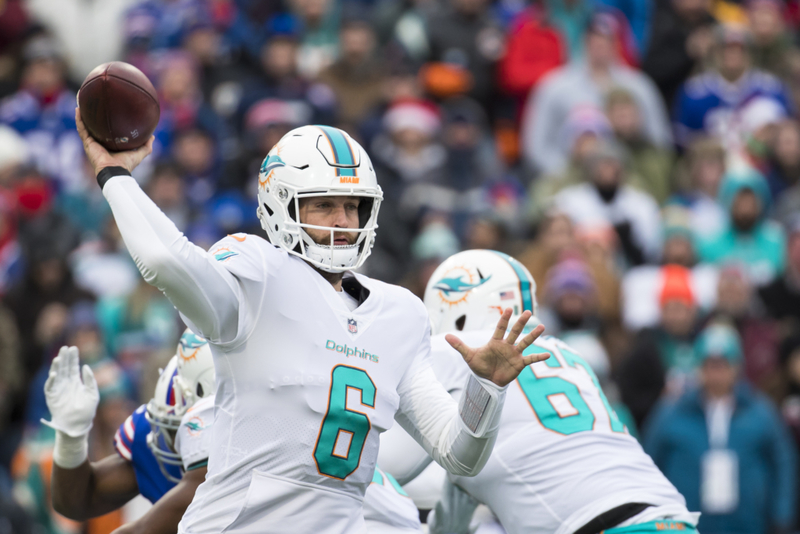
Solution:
(562, 455)
(304, 384)
(193, 438)
(387, 507)
(300, 405)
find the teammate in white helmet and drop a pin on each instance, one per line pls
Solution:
(182, 408)
(313, 361)
(146, 462)
(563, 462)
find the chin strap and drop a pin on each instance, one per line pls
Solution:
(332, 259)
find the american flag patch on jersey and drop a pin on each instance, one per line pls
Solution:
(506, 295)
(352, 326)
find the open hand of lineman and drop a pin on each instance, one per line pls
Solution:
(100, 158)
(501, 360)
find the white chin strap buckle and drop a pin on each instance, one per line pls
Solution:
(333, 259)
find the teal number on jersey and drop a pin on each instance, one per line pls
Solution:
(573, 360)
(341, 423)
(544, 393)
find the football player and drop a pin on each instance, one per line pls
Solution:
(563, 462)
(145, 462)
(313, 360)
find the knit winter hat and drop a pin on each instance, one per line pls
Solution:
(676, 285)
(569, 276)
(719, 341)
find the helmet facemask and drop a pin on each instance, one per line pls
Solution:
(330, 258)
(164, 426)
(161, 442)
(164, 413)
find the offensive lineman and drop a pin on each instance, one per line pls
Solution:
(145, 460)
(313, 361)
(562, 455)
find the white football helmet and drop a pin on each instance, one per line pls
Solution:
(188, 377)
(317, 161)
(196, 377)
(470, 290)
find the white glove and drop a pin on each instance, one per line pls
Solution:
(72, 403)
(453, 512)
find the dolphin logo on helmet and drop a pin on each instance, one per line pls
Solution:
(271, 162)
(457, 285)
(189, 345)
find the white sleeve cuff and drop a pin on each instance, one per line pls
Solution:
(479, 404)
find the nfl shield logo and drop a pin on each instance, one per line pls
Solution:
(352, 326)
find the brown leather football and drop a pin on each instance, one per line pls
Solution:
(119, 106)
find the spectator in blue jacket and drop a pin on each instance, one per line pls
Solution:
(43, 112)
(724, 446)
(710, 103)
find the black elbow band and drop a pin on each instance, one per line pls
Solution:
(109, 172)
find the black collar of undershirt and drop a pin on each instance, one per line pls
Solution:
(353, 287)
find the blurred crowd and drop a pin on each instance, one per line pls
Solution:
(640, 157)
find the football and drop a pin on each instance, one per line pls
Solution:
(119, 106)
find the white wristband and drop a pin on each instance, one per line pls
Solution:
(70, 452)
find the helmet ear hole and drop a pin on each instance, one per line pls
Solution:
(269, 211)
(200, 390)
(460, 322)
(364, 211)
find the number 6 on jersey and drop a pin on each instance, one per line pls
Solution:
(344, 431)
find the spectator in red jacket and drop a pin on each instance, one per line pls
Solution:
(533, 49)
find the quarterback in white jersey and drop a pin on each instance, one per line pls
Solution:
(312, 361)
(563, 462)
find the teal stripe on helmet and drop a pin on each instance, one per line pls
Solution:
(342, 153)
(524, 283)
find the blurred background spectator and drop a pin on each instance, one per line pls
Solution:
(587, 82)
(680, 40)
(748, 237)
(640, 157)
(711, 103)
(662, 359)
(724, 447)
